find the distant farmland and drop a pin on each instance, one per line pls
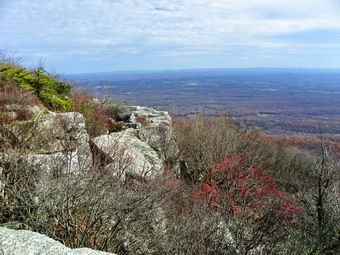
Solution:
(276, 101)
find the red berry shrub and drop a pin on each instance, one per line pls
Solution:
(191, 226)
(249, 202)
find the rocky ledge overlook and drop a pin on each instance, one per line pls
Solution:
(58, 144)
(146, 150)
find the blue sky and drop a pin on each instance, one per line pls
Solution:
(79, 36)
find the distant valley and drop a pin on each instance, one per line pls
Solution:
(284, 104)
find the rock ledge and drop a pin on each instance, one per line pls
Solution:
(24, 242)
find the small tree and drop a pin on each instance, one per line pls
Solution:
(320, 221)
(53, 93)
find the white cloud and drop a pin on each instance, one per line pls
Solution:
(161, 27)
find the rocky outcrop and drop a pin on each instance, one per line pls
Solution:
(24, 242)
(51, 133)
(58, 143)
(55, 142)
(158, 134)
(141, 149)
(124, 154)
(156, 131)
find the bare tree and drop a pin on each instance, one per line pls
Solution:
(319, 201)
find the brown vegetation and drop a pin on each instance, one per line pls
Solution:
(313, 181)
(11, 94)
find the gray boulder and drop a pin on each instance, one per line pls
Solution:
(159, 135)
(55, 141)
(151, 115)
(56, 163)
(24, 242)
(124, 154)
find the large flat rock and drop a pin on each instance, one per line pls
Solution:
(24, 242)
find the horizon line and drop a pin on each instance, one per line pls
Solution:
(200, 69)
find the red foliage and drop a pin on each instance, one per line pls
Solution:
(235, 187)
(95, 114)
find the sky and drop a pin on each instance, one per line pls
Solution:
(86, 36)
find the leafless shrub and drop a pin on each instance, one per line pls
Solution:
(204, 140)
(94, 208)
(115, 126)
(5, 119)
(96, 117)
(314, 182)
(23, 114)
(12, 94)
(319, 223)
(116, 107)
(9, 59)
(19, 182)
(192, 228)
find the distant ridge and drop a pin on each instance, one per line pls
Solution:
(216, 71)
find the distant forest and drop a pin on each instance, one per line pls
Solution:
(291, 106)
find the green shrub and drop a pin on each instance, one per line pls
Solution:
(49, 90)
(55, 102)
